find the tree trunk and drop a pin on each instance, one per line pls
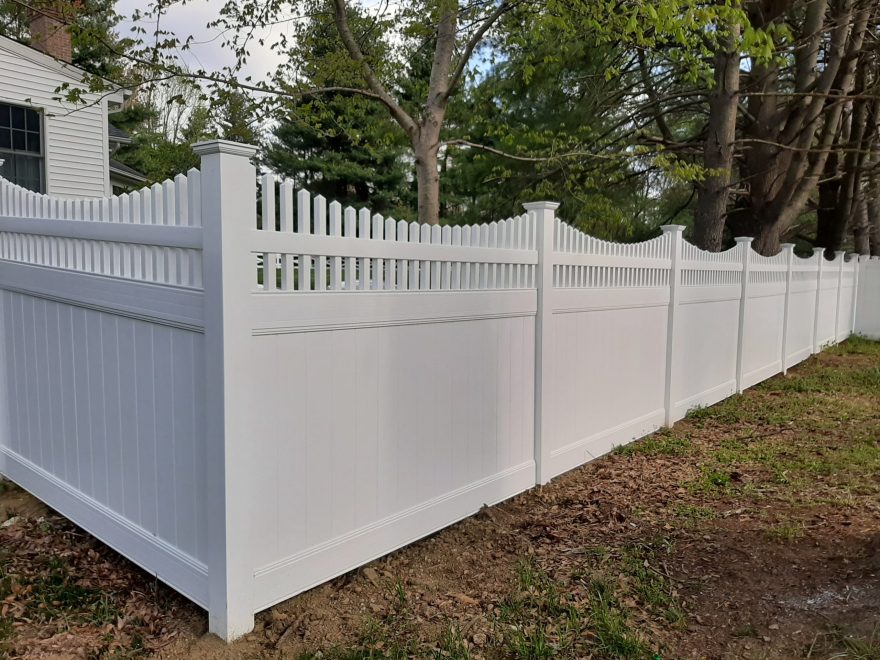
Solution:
(873, 204)
(861, 228)
(767, 238)
(428, 180)
(827, 211)
(714, 192)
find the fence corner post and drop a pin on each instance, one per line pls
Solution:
(228, 214)
(745, 243)
(676, 237)
(788, 249)
(544, 218)
(820, 253)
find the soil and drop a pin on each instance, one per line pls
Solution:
(761, 567)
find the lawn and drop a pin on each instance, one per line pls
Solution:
(749, 530)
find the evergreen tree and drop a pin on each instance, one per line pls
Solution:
(236, 118)
(339, 145)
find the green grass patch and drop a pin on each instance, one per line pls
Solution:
(662, 443)
(544, 618)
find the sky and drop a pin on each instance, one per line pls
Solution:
(207, 52)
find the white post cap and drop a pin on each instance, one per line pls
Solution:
(209, 147)
(541, 206)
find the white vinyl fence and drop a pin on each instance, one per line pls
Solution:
(247, 413)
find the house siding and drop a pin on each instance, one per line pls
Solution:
(75, 135)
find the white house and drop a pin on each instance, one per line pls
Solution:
(48, 144)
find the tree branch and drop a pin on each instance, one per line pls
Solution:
(472, 44)
(354, 50)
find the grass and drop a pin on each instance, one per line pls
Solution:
(662, 443)
(785, 532)
(838, 643)
(783, 427)
(56, 594)
(589, 613)
(547, 618)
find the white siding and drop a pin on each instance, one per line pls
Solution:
(75, 135)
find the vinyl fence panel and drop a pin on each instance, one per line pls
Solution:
(249, 390)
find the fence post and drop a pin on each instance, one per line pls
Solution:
(228, 200)
(856, 260)
(745, 243)
(788, 249)
(544, 218)
(840, 255)
(821, 252)
(676, 238)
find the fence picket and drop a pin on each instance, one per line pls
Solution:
(364, 263)
(320, 219)
(304, 226)
(286, 225)
(335, 230)
(378, 264)
(390, 235)
(350, 265)
(403, 264)
(414, 236)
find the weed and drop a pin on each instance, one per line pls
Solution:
(614, 638)
(661, 443)
(712, 479)
(452, 644)
(57, 595)
(694, 513)
(745, 630)
(785, 532)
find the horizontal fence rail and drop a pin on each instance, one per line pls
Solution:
(153, 235)
(249, 390)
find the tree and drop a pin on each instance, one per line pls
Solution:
(235, 118)
(718, 144)
(454, 30)
(543, 120)
(163, 134)
(340, 145)
(445, 23)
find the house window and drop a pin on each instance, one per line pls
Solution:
(21, 146)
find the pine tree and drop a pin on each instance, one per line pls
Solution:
(339, 145)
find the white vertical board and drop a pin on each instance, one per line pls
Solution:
(106, 425)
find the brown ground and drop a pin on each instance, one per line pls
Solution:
(750, 530)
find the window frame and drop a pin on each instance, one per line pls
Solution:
(6, 153)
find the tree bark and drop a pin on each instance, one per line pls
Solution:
(788, 145)
(428, 180)
(861, 228)
(713, 193)
(873, 205)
